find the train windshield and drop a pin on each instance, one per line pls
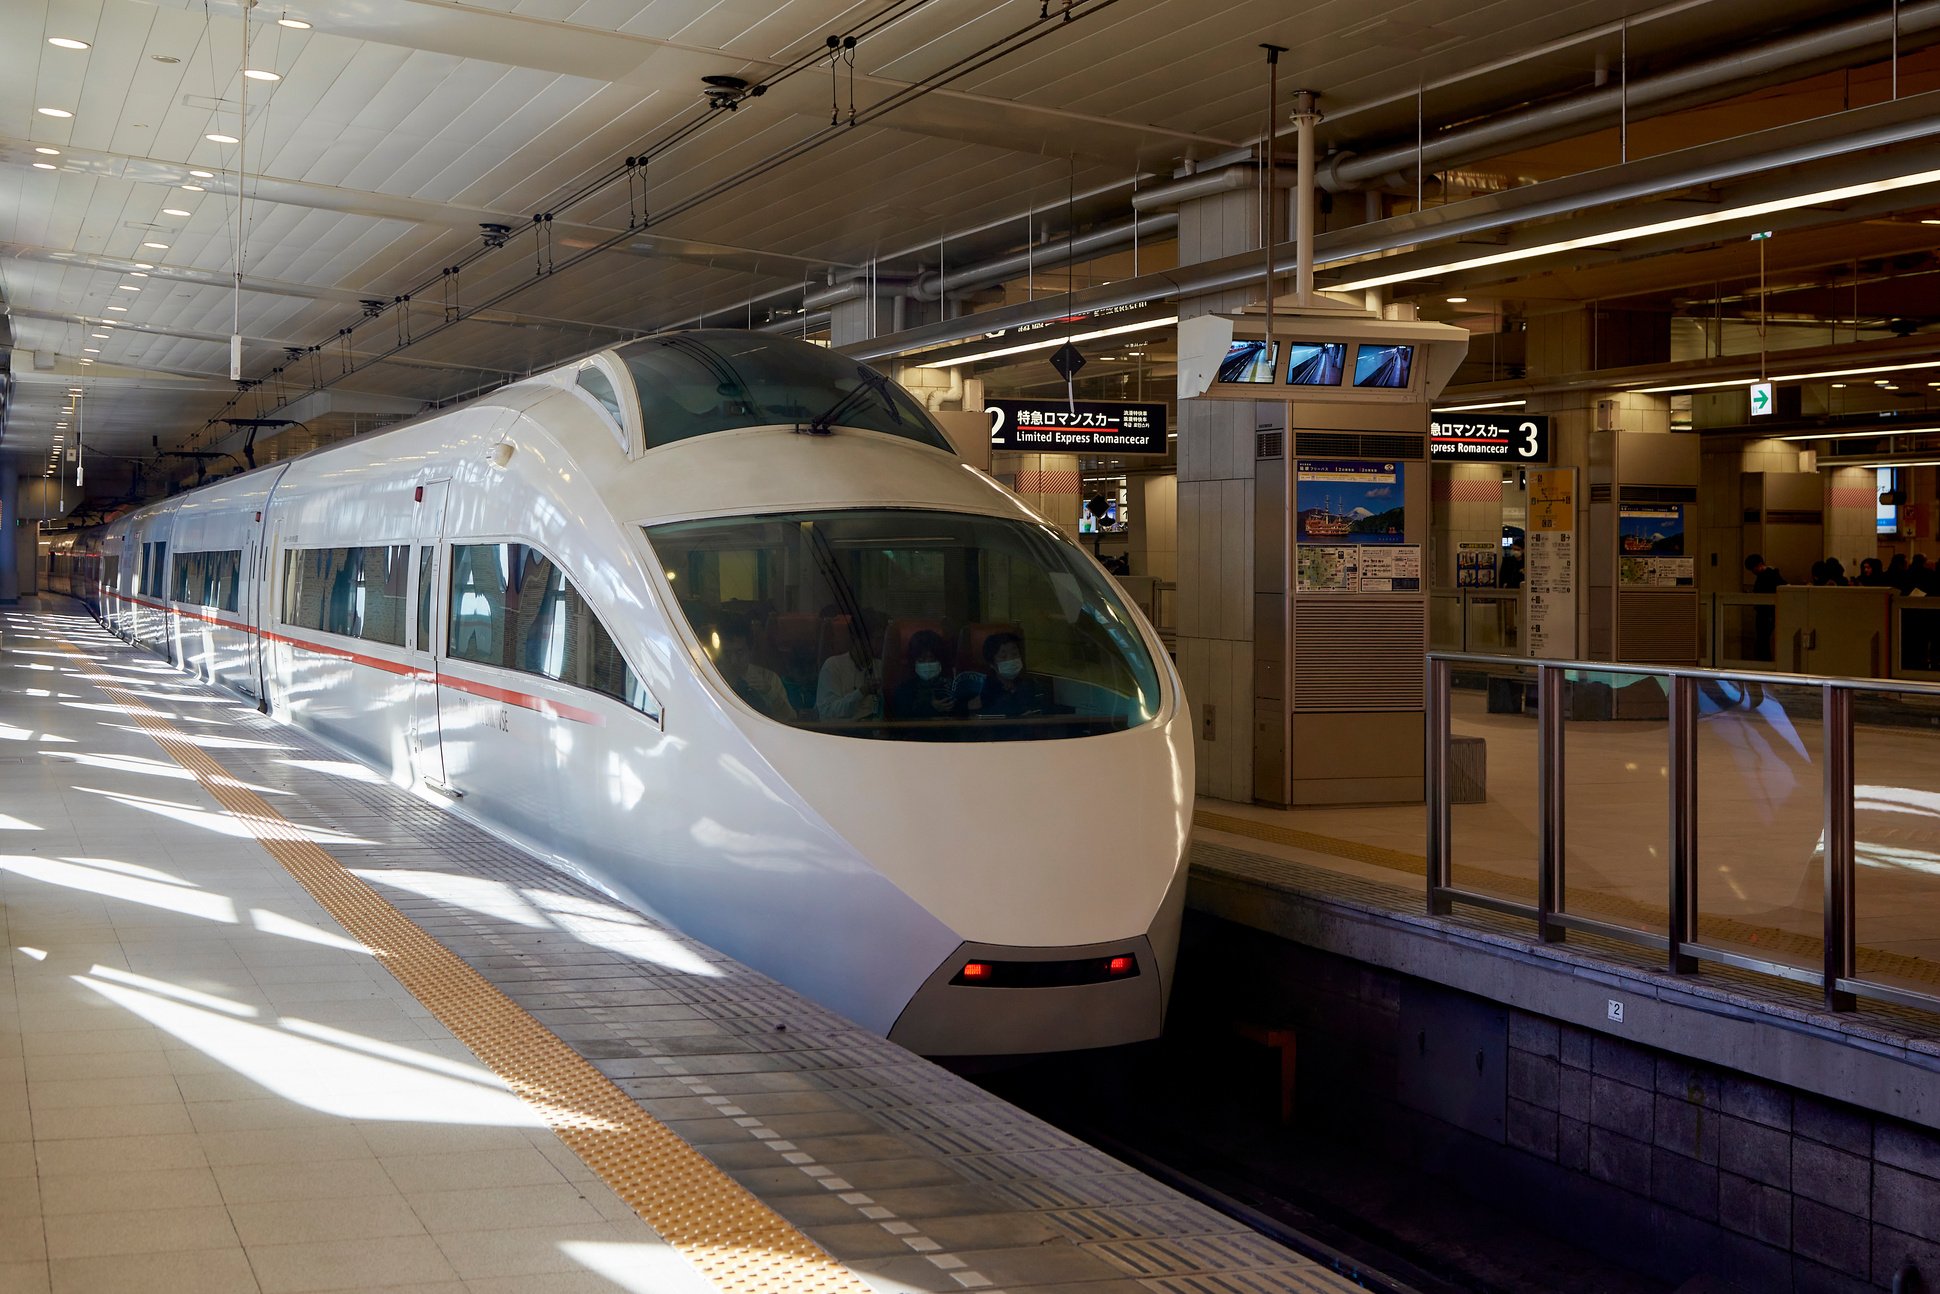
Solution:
(904, 625)
(694, 383)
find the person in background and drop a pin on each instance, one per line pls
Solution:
(1835, 573)
(756, 684)
(929, 692)
(1764, 579)
(849, 686)
(1819, 578)
(1871, 575)
(1011, 690)
(1508, 573)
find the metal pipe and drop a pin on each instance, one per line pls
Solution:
(1441, 863)
(929, 286)
(1856, 130)
(1681, 929)
(1708, 80)
(1306, 118)
(1835, 722)
(1550, 835)
(1267, 231)
(1207, 184)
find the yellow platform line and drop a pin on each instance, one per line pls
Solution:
(1617, 908)
(735, 1240)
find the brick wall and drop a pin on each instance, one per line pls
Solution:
(1840, 1197)
(1673, 1167)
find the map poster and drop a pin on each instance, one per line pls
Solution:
(1345, 502)
(1650, 547)
(1549, 577)
(1325, 568)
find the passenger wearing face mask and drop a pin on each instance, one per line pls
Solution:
(929, 692)
(1010, 690)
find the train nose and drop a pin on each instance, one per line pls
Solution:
(991, 999)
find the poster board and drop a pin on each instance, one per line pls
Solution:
(1340, 502)
(1650, 547)
(1475, 565)
(1344, 568)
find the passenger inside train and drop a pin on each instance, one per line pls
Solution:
(793, 587)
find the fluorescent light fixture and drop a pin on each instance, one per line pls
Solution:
(126, 287)
(160, 247)
(1791, 377)
(258, 74)
(203, 175)
(1838, 386)
(67, 42)
(1930, 222)
(1867, 432)
(1457, 301)
(1492, 404)
(1652, 229)
(44, 166)
(194, 188)
(92, 350)
(1049, 342)
(136, 274)
(296, 23)
(214, 137)
(173, 211)
(143, 265)
(48, 152)
(119, 309)
(54, 112)
(87, 361)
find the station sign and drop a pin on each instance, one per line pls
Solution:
(1076, 426)
(1488, 438)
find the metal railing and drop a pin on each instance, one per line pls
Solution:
(1683, 948)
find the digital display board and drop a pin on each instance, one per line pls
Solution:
(1248, 361)
(1315, 363)
(1340, 502)
(1386, 367)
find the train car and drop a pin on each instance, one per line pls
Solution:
(721, 622)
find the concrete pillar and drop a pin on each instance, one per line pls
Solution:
(1153, 544)
(9, 524)
(1048, 483)
(1214, 643)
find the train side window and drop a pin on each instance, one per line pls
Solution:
(427, 560)
(512, 606)
(355, 592)
(598, 385)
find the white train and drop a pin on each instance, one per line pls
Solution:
(721, 621)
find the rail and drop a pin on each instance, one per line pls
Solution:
(1680, 939)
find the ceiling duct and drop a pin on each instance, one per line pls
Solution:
(1709, 80)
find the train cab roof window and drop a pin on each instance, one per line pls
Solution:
(600, 387)
(910, 625)
(695, 383)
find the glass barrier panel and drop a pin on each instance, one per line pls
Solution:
(1896, 838)
(1492, 780)
(1616, 797)
(1760, 821)
(1492, 624)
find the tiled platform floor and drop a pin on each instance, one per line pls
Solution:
(205, 1085)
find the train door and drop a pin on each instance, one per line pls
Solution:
(424, 633)
(262, 606)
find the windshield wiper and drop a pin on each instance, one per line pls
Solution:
(868, 383)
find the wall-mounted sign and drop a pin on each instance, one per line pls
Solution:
(1489, 438)
(1549, 618)
(1341, 502)
(1081, 427)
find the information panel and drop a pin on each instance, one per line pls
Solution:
(1077, 427)
(1337, 568)
(1488, 438)
(1650, 547)
(1549, 618)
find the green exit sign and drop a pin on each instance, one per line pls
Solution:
(1761, 398)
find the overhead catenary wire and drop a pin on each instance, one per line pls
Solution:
(1018, 39)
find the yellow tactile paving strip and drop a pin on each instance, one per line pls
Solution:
(1616, 908)
(736, 1241)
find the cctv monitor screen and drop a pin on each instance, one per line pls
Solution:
(1383, 366)
(1248, 361)
(1316, 363)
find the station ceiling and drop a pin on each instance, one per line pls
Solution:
(397, 140)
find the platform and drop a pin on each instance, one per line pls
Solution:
(271, 1023)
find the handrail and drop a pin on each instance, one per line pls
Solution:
(1838, 978)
